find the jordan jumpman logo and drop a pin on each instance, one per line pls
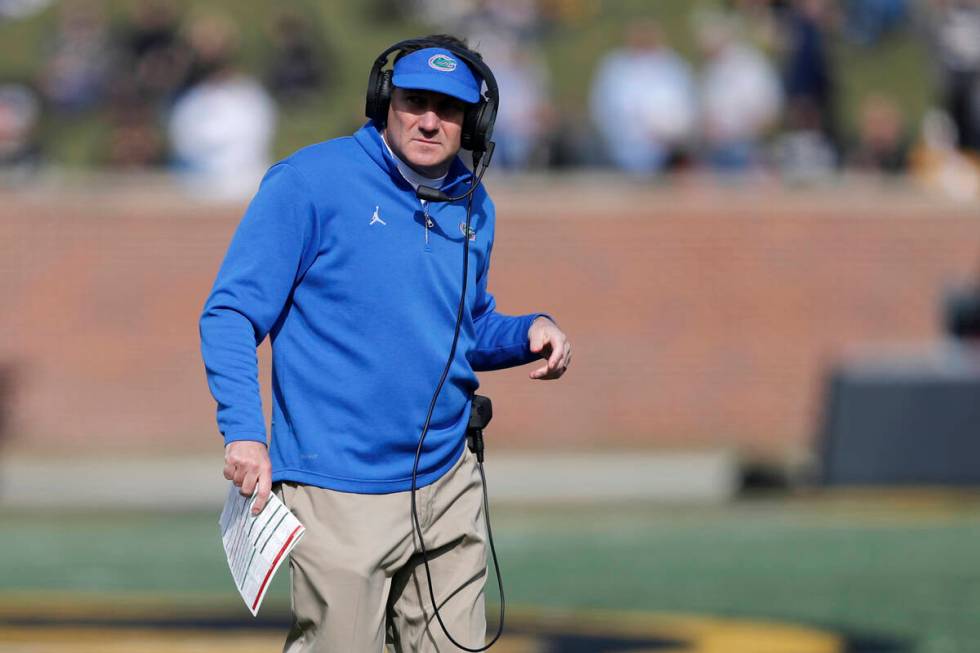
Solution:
(376, 217)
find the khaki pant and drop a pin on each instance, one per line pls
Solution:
(358, 580)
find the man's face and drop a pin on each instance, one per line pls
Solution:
(424, 129)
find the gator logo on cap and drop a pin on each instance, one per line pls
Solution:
(442, 63)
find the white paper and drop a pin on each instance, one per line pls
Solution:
(256, 545)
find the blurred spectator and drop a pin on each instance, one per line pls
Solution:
(956, 37)
(515, 21)
(526, 117)
(867, 21)
(808, 76)
(299, 67)
(152, 64)
(431, 12)
(883, 140)
(642, 102)
(221, 129)
(76, 72)
(134, 136)
(938, 165)
(15, 9)
(154, 56)
(804, 157)
(741, 95)
(807, 150)
(506, 35)
(19, 151)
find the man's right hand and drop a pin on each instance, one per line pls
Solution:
(247, 465)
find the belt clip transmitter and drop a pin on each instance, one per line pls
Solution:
(481, 412)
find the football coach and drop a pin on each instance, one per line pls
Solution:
(358, 284)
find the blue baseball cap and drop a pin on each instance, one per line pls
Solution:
(437, 69)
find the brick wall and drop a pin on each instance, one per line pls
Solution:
(700, 316)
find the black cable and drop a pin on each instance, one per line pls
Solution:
(425, 430)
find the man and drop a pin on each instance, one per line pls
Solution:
(356, 281)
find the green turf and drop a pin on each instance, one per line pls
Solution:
(902, 572)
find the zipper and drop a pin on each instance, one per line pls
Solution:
(428, 220)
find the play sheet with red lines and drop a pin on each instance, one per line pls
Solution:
(256, 545)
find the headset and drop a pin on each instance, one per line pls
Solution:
(477, 128)
(478, 118)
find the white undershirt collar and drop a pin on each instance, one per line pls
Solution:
(410, 175)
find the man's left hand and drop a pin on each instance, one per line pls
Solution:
(547, 340)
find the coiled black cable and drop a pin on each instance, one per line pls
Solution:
(425, 429)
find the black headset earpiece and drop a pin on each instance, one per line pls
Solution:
(378, 95)
(479, 117)
(478, 126)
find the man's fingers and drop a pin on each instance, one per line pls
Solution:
(539, 373)
(247, 466)
(248, 484)
(265, 489)
(537, 341)
(558, 362)
(546, 372)
(557, 353)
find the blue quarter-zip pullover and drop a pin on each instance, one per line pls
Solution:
(333, 263)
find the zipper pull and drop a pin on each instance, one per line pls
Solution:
(428, 220)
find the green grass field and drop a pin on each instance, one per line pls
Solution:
(900, 569)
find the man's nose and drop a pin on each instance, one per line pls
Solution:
(429, 121)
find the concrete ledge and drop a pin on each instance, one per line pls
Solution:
(512, 477)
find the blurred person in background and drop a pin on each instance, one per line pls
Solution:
(135, 140)
(642, 102)
(221, 128)
(151, 64)
(808, 74)
(77, 68)
(883, 139)
(17, 9)
(955, 34)
(808, 149)
(153, 61)
(527, 118)
(299, 66)
(507, 34)
(20, 154)
(939, 165)
(489, 21)
(740, 92)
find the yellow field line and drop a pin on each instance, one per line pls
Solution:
(700, 634)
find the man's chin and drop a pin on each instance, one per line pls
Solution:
(428, 160)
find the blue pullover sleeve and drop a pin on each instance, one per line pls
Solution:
(274, 244)
(501, 340)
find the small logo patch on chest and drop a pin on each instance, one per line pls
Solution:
(376, 218)
(471, 232)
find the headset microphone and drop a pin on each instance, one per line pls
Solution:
(430, 194)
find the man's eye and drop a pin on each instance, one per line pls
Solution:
(451, 107)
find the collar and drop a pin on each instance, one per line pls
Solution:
(369, 138)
